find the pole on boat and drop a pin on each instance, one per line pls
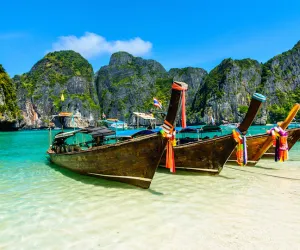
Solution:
(50, 135)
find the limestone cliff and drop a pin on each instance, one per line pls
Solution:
(129, 83)
(39, 91)
(9, 112)
(281, 83)
(227, 90)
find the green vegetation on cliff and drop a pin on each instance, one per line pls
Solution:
(57, 67)
(280, 82)
(286, 100)
(129, 83)
(8, 103)
(213, 86)
(281, 68)
(161, 91)
(227, 89)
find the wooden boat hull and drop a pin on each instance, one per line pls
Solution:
(132, 161)
(129, 162)
(255, 143)
(210, 155)
(207, 156)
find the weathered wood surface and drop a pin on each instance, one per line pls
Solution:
(256, 142)
(260, 144)
(203, 156)
(210, 155)
(133, 161)
(268, 143)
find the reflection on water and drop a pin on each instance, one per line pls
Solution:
(46, 207)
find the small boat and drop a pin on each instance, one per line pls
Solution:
(132, 161)
(258, 145)
(211, 128)
(115, 123)
(210, 155)
(230, 125)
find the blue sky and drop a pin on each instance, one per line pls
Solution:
(175, 33)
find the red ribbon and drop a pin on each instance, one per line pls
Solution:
(170, 162)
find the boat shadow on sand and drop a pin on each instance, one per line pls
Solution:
(267, 168)
(91, 180)
(163, 170)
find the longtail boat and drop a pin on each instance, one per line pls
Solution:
(132, 161)
(258, 145)
(210, 155)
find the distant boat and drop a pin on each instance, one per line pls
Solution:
(210, 128)
(115, 123)
(230, 125)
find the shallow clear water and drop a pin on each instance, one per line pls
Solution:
(45, 207)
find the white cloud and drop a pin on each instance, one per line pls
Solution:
(91, 45)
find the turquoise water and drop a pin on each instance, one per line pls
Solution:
(45, 207)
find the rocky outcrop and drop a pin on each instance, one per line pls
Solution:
(9, 112)
(129, 83)
(281, 83)
(227, 90)
(59, 73)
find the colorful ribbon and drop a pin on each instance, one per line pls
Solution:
(279, 137)
(169, 133)
(241, 148)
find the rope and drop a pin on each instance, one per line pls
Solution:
(169, 133)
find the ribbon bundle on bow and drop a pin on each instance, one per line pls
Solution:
(183, 117)
(169, 133)
(279, 137)
(241, 150)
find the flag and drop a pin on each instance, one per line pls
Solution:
(62, 98)
(157, 103)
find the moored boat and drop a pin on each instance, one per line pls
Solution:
(210, 155)
(132, 161)
(259, 145)
(115, 123)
